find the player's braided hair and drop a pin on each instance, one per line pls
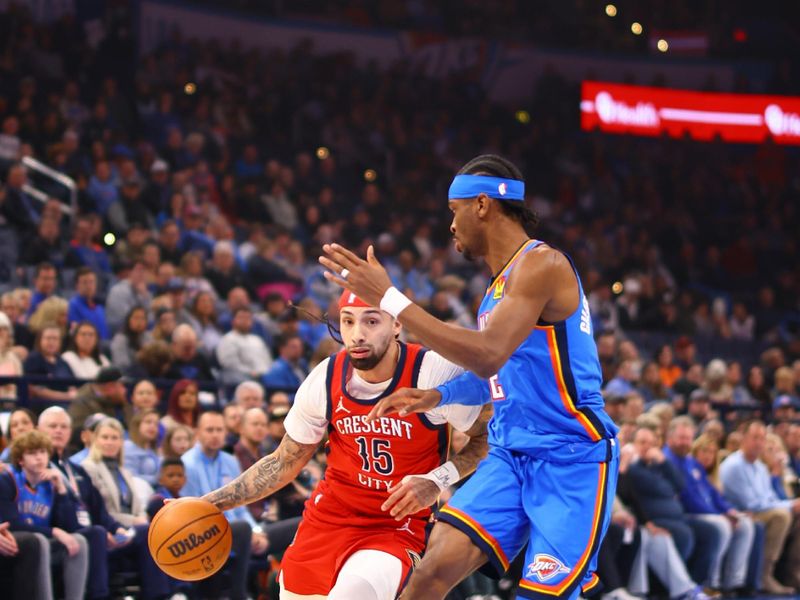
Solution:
(497, 166)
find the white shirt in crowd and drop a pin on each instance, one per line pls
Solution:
(244, 352)
(86, 367)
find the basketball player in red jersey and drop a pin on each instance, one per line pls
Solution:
(364, 526)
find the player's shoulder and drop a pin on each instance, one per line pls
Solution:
(540, 264)
(544, 257)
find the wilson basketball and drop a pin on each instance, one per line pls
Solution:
(189, 539)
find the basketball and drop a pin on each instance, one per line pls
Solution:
(189, 539)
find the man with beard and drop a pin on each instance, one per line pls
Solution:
(364, 525)
(550, 476)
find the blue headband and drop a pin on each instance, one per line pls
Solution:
(469, 186)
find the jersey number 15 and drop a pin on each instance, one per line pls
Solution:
(375, 455)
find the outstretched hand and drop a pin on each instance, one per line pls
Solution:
(404, 402)
(367, 279)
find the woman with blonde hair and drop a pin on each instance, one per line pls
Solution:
(50, 311)
(776, 458)
(706, 450)
(117, 488)
(179, 439)
(141, 456)
(664, 412)
(113, 481)
(10, 364)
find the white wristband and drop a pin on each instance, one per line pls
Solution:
(443, 476)
(394, 302)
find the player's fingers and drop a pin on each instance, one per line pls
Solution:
(395, 494)
(341, 256)
(342, 252)
(371, 256)
(407, 506)
(411, 405)
(333, 265)
(390, 404)
(333, 277)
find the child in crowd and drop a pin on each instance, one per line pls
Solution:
(171, 478)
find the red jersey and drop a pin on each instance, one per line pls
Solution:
(364, 461)
(343, 514)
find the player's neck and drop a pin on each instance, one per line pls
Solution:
(502, 246)
(385, 369)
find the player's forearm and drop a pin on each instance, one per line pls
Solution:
(465, 347)
(474, 452)
(466, 461)
(467, 389)
(265, 477)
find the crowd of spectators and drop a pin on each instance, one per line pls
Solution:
(764, 30)
(208, 178)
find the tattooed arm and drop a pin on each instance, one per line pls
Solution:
(418, 491)
(265, 477)
(466, 461)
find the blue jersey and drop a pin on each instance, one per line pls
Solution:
(547, 400)
(35, 505)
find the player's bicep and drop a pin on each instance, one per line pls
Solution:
(526, 294)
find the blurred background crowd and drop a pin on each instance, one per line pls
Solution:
(183, 280)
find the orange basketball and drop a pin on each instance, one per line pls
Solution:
(189, 539)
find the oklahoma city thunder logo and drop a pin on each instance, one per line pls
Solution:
(544, 567)
(502, 188)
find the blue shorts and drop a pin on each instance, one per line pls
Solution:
(560, 510)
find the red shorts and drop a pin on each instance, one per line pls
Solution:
(322, 546)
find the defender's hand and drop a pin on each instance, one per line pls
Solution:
(367, 279)
(404, 402)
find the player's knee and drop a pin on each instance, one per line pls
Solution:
(353, 586)
(435, 572)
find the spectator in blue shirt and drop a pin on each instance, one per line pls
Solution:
(747, 484)
(290, 369)
(623, 381)
(793, 449)
(44, 285)
(703, 502)
(207, 468)
(83, 306)
(141, 458)
(101, 188)
(83, 252)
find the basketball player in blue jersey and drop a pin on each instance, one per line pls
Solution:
(550, 476)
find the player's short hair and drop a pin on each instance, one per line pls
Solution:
(497, 166)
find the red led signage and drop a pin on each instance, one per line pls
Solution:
(640, 110)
